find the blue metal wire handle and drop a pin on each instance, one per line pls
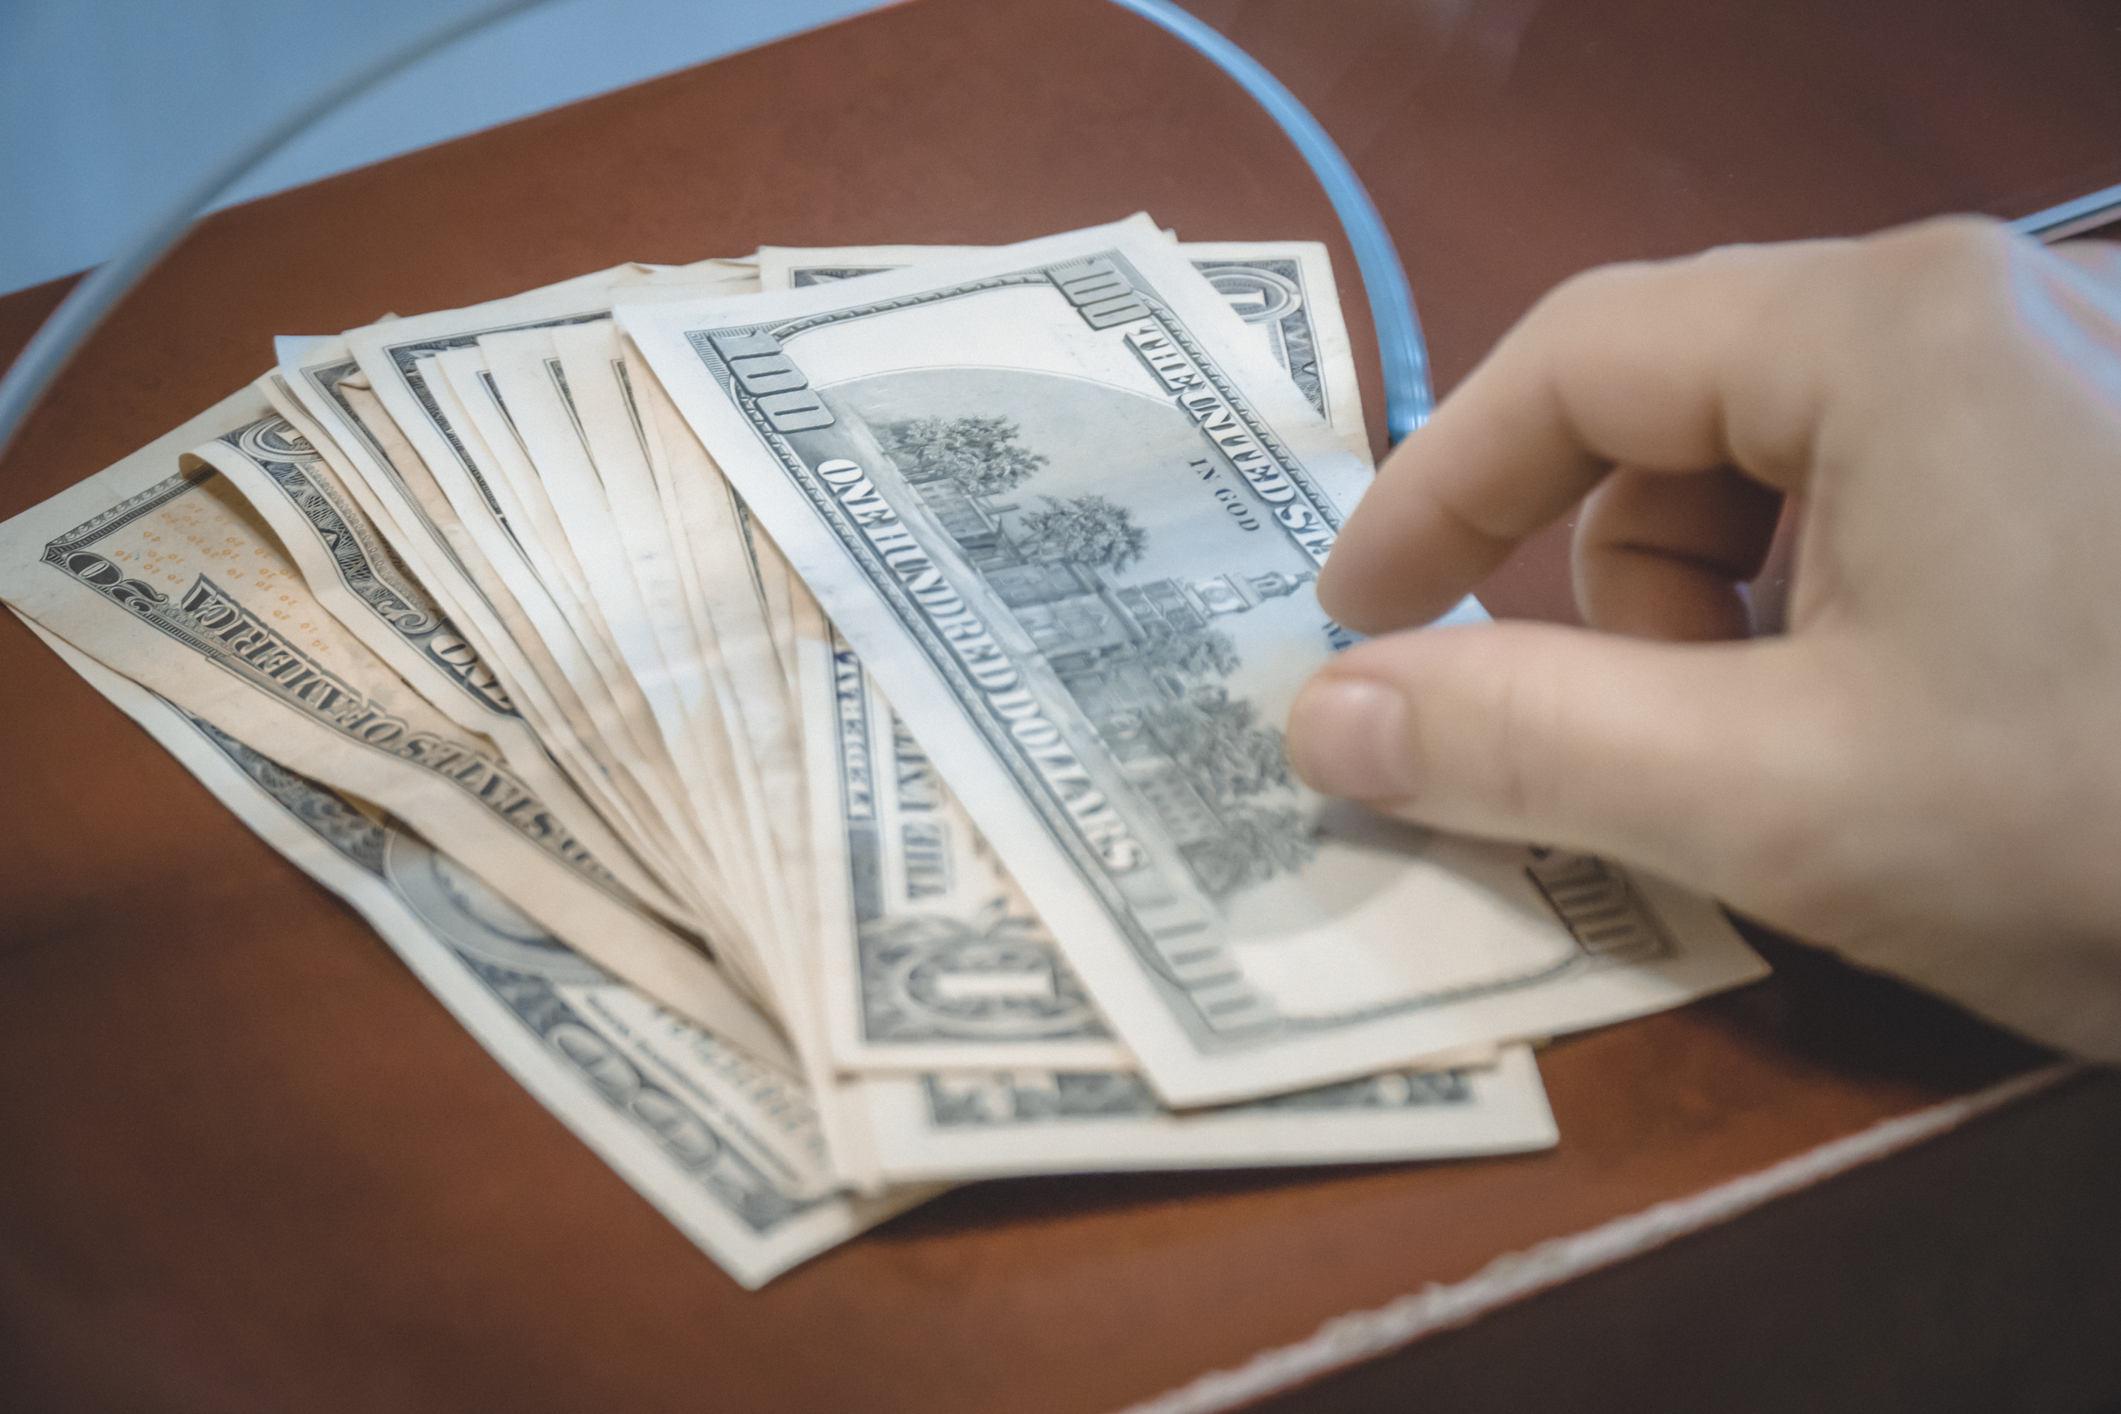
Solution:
(2072, 218)
(1408, 396)
(1408, 399)
(1392, 304)
(84, 307)
(1406, 358)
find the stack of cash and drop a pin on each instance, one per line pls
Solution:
(813, 717)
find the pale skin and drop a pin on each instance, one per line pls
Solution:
(1924, 771)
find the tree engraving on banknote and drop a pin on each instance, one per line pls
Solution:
(1128, 664)
(1071, 517)
(490, 577)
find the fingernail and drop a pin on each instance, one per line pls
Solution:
(1348, 736)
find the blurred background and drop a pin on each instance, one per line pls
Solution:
(1708, 114)
(111, 108)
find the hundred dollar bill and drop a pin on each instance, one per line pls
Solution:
(588, 450)
(1069, 513)
(578, 590)
(942, 961)
(584, 438)
(1284, 291)
(421, 474)
(560, 396)
(933, 958)
(386, 476)
(723, 1147)
(351, 569)
(624, 441)
(964, 1125)
(564, 628)
(158, 568)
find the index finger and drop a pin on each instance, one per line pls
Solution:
(1682, 366)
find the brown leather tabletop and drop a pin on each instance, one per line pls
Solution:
(246, 1163)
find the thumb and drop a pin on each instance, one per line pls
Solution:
(1677, 757)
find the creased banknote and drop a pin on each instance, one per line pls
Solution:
(1069, 513)
(159, 569)
(402, 498)
(495, 405)
(726, 1149)
(443, 509)
(346, 562)
(987, 1124)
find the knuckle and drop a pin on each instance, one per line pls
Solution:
(1588, 294)
(1930, 290)
(1948, 246)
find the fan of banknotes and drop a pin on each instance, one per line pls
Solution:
(813, 717)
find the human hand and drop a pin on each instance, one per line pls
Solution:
(1924, 772)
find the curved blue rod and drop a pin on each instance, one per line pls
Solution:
(83, 309)
(1406, 359)
(2072, 218)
